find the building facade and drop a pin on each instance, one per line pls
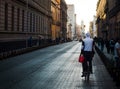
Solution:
(101, 19)
(92, 27)
(69, 31)
(71, 16)
(63, 19)
(108, 18)
(21, 17)
(59, 20)
(23, 23)
(55, 9)
(113, 14)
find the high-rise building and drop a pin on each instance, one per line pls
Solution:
(72, 16)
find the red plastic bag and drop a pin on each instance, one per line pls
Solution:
(81, 58)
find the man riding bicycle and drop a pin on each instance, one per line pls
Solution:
(87, 52)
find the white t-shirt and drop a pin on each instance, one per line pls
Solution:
(117, 46)
(88, 44)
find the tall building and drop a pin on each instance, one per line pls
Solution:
(101, 16)
(63, 15)
(55, 9)
(69, 31)
(113, 18)
(108, 18)
(72, 16)
(94, 26)
(59, 19)
(82, 29)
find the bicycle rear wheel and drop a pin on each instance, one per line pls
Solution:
(88, 76)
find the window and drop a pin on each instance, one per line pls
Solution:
(30, 22)
(18, 19)
(37, 23)
(6, 16)
(27, 21)
(12, 18)
(22, 20)
(33, 22)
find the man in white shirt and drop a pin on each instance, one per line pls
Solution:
(117, 53)
(88, 53)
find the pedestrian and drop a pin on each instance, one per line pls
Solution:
(107, 44)
(117, 61)
(87, 52)
(117, 53)
(112, 44)
(102, 44)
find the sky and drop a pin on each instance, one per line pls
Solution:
(84, 10)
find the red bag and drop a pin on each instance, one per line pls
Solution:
(81, 58)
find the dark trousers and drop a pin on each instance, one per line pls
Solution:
(87, 62)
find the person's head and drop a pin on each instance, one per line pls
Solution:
(87, 34)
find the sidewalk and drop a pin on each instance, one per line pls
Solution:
(108, 55)
(54, 70)
(109, 62)
(101, 77)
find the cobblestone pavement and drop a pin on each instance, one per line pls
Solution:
(55, 67)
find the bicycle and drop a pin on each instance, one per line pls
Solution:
(87, 73)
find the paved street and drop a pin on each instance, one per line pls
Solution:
(54, 67)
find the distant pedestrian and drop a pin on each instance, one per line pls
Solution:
(112, 44)
(102, 44)
(117, 61)
(117, 53)
(98, 41)
(107, 44)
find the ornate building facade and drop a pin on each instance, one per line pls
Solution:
(55, 9)
(59, 19)
(101, 18)
(72, 17)
(23, 23)
(108, 18)
(63, 18)
(20, 19)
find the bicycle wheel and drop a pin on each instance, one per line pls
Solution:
(88, 76)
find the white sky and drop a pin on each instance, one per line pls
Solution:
(84, 10)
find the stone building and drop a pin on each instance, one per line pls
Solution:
(63, 18)
(59, 19)
(69, 30)
(71, 16)
(108, 18)
(113, 16)
(23, 21)
(55, 9)
(101, 18)
(91, 29)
